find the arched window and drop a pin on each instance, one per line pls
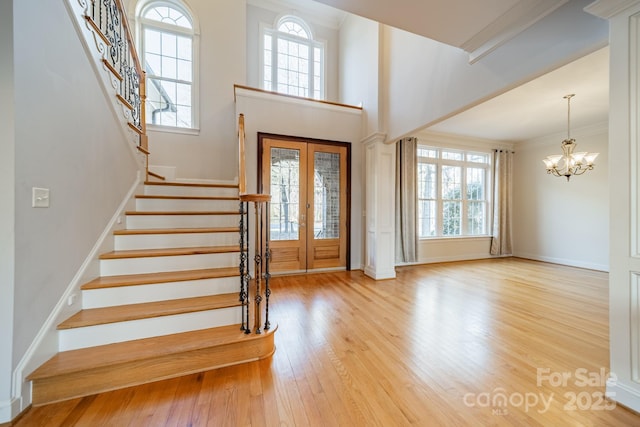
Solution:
(166, 34)
(292, 62)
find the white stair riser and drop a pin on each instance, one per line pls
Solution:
(90, 336)
(190, 205)
(121, 295)
(176, 190)
(145, 222)
(117, 267)
(177, 240)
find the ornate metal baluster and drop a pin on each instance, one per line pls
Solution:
(267, 275)
(113, 23)
(246, 271)
(107, 19)
(243, 274)
(258, 268)
(241, 265)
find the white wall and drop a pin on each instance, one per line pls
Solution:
(222, 64)
(281, 115)
(257, 16)
(453, 249)
(428, 80)
(7, 218)
(559, 221)
(67, 139)
(359, 69)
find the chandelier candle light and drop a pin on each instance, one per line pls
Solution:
(569, 163)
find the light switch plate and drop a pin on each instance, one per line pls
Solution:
(39, 197)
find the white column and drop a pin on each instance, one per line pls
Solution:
(380, 172)
(624, 276)
(8, 404)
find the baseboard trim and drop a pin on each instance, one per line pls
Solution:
(45, 344)
(380, 275)
(563, 261)
(627, 396)
(9, 409)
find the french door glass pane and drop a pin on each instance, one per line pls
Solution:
(285, 190)
(326, 195)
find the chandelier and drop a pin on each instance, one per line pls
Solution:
(569, 163)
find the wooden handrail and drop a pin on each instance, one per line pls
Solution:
(138, 65)
(144, 139)
(286, 95)
(242, 171)
(109, 20)
(127, 30)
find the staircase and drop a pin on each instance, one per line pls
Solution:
(167, 301)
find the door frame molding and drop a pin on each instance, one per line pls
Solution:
(263, 135)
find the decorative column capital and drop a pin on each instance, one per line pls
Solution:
(374, 138)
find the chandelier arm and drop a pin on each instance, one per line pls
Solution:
(580, 171)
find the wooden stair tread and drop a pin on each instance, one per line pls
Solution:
(191, 184)
(149, 253)
(122, 313)
(117, 353)
(182, 213)
(150, 196)
(164, 277)
(127, 231)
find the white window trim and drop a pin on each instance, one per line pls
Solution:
(139, 24)
(465, 164)
(273, 28)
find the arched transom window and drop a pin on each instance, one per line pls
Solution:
(167, 46)
(292, 61)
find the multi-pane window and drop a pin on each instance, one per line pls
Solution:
(168, 58)
(452, 192)
(292, 62)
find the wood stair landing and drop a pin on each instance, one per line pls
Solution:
(87, 371)
(167, 302)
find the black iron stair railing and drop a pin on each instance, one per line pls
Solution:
(261, 250)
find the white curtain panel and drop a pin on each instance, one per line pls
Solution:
(406, 196)
(502, 203)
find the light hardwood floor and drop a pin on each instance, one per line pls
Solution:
(438, 346)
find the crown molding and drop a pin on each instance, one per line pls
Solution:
(518, 18)
(609, 8)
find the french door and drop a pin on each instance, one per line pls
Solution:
(308, 184)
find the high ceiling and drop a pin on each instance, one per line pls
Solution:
(537, 108)
(530, 111)
(475, 26)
